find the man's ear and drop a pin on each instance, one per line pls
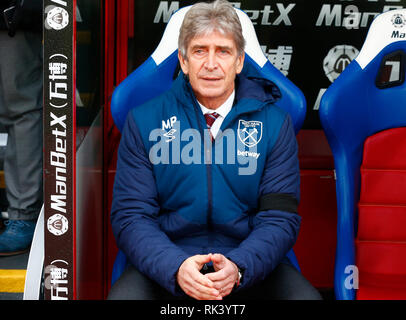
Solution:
(240, 63)
(183, 63)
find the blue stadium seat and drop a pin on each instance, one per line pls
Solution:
(156, 74)
(363, 114)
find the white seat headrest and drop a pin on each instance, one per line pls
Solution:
(387, 28)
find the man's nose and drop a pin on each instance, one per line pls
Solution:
(211, 61)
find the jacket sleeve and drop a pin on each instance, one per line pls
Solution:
(274, 231)
(134, 214)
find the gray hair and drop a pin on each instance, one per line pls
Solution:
(204, 18)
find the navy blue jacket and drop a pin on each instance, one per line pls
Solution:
(176, 194)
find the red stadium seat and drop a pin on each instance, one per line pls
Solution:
(381, 239)
(364, 117)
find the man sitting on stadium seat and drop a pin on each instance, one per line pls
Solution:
(195, 226)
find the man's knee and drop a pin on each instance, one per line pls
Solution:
(132, 285)
(287, 283)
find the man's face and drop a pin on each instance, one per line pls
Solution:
(212, 64)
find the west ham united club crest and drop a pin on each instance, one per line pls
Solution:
(250, 132)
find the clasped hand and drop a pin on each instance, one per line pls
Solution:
(210, 286)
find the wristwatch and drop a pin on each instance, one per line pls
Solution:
(240, 274)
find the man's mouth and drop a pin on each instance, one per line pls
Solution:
(210, 78)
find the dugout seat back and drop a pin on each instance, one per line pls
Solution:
(156, 75)
(363, 114)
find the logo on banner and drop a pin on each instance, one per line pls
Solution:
(398, 20)
(337, 59)
(56, 279)
(250, 132)
(279, 57)
(57, 18)
(58, 76)
(57, 224)
(275, 14)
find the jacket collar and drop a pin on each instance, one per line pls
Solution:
(251, 88)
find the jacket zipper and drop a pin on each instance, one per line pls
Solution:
(208, 174)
